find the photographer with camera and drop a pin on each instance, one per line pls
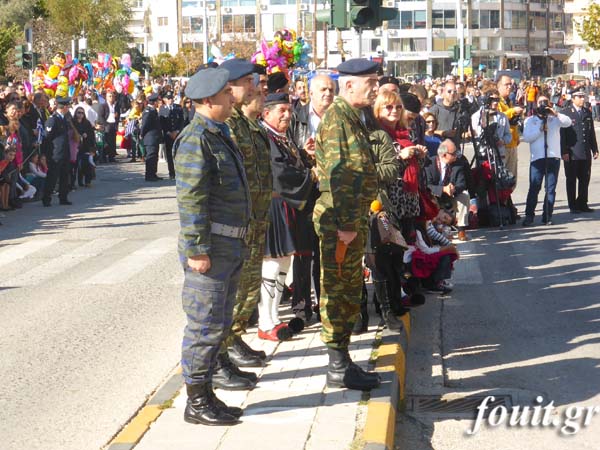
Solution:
(542, 132)
(489, 114)
(505, 87)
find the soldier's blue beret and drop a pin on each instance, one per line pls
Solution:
(63, 101)
(357, 66)
(206, 83)
(277, 98)
(237, 68)
(153, 97)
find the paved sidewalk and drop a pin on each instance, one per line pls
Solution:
(290, 408)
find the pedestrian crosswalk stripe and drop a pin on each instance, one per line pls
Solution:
(133, 264)
(61, 263)
(20, 251)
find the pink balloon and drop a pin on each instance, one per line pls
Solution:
(126, 60)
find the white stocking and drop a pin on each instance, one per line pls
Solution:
(273, 277)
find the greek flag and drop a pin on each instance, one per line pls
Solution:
(41, 131)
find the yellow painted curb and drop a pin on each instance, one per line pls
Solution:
(135, 429)
(380, 426)
(406, 321)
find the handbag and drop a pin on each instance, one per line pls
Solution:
(388, 233)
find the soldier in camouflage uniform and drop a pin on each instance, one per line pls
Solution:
(214, 209)
(254, 145)
(348, 183)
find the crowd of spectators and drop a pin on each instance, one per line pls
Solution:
(98, 123)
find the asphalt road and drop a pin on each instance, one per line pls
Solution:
(90, 310)
(522, 321)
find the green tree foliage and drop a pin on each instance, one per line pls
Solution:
(588, 28)
(19, 12)
(164, 64)
(104, 22)
(8, 38)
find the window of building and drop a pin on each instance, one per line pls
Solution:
(278, 21)
(407, 45)
(240, 23)
(443, 18)
(162, 21)
(420, 20)
(406, 20)
(137, 4)
(283, 2)
(443, 44)
(163, 47)
(515, 20)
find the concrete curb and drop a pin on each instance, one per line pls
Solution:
(131, 434)
(380, 425)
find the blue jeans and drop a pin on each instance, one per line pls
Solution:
(208, 301)
(536, 176)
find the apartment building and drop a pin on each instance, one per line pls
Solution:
(530, 35)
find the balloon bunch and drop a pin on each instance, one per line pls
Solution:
(63, 78)
(125, 77)
(284, 52)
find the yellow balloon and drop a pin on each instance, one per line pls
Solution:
(62, 90)
(53, 71)
(49, 92)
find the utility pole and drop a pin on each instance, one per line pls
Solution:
(460, 34)
(314, 33)
(205, 33)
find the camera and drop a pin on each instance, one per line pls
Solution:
(543, 109)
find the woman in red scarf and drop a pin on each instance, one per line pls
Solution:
(395, 114)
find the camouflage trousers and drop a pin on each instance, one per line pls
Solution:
(340, 295)
(248, 294)
(208, 300)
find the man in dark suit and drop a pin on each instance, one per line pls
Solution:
(578, 161)
(59, 153)
(171, 120)
(446, 180)
(151, 133)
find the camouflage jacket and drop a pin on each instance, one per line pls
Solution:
(345, 166)
(211, 185)
(252, 141)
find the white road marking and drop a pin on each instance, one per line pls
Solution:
(61, 263)
(15, 252)
(134, 263)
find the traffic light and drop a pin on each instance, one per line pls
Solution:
(336, 15)
(19, 54)
(28, 60)
(369, 14)
(363, 13)
(82, 56)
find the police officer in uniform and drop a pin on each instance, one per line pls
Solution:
(59, 165)
(348, 183)
(578, 161)
(151, 134)
(214, 209)
(172, 122)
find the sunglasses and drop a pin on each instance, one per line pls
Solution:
(430, 121)
(390, 108)
(449, 91)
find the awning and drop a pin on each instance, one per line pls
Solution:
(560, 57)
(517, 55)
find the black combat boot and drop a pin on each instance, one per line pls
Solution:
(231, 410)
(342, 372)
(201, 407)
(228, 376)
(243, 356)
(388, 315)
(258, 353)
